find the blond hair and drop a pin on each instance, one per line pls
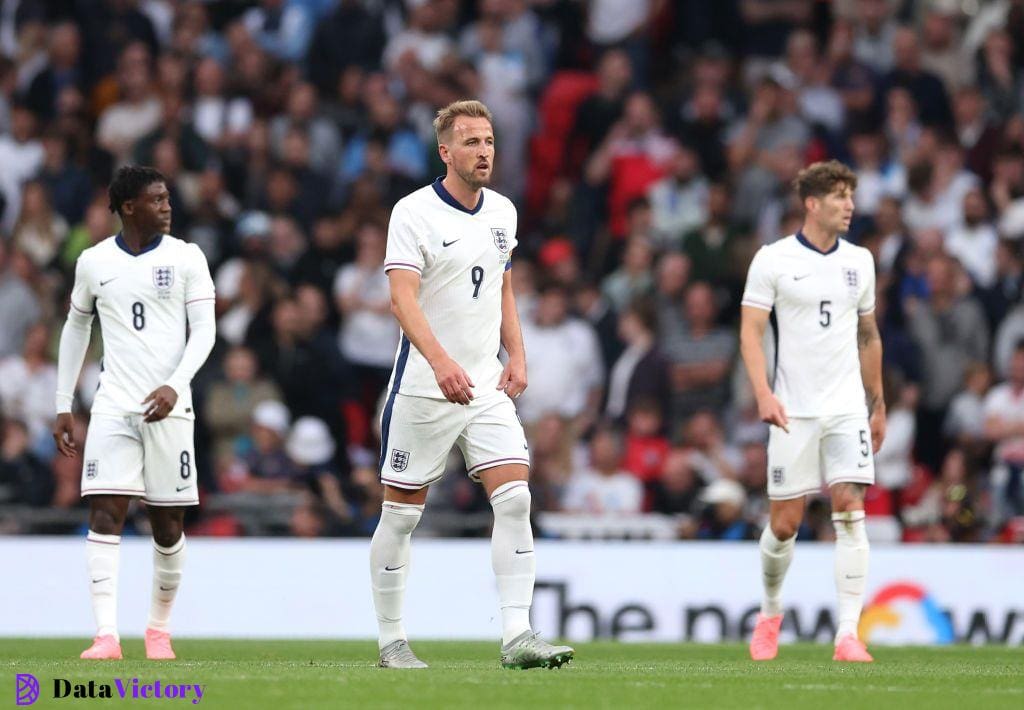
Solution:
(822, 178)
(446, 116)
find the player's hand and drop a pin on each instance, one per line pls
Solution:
(64, 434)
(159, 403)
(877, 424)
(454, 382)
(771, 411)
(513, 378)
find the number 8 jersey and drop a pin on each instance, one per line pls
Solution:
(140, 301)
(817, 300)
(461, 256)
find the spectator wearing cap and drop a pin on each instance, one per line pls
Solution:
(312, 448)
(722, 518)
(266, 467)
(604, 487)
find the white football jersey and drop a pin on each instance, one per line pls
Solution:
(461, 256)
(817, 300)
(140, 302)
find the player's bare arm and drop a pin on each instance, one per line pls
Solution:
(451, 378)
(513, 377)
(869, 347)
(64, 434)
(753, 322)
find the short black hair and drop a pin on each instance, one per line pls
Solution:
(128, 182)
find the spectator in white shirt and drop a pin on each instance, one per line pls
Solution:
(563, 359)
(1004, 427)
(974, 242)
(27, 383)
(138, 113)
(604, 487)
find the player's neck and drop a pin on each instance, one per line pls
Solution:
(463, 193)
(135, 240)
(819, 238)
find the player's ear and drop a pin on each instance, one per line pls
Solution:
(442, 150)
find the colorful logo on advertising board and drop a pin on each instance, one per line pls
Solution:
(904, 612)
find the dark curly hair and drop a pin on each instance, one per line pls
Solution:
(128, 182)
(820, 179)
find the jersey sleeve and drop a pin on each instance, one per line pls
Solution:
(760, 289)
(514, 236)
(404, 250)
(198, 282)
(866, 303)
(82, 298)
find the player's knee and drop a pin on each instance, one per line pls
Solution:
(106, 520)
(512, 500)
(168, 535)
(784, 529)
(402, 518)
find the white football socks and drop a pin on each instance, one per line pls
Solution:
(775, 558)
(103, 555)
(851, 568)
(167, 565)
(389, 566)
(512, 556)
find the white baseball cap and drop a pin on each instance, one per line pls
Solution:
(310, 442)
(273, 415)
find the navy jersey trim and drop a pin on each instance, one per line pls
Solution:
(385, 420)
(119, 240)
(447, 198)
(803, 240)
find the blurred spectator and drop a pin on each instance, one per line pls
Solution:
(21, 154)
(974, 241)
(950, 331)
(1004, 427)
(723, 515)
(599, 112)
(671, 280)
(27, 383)
(19, 308)
(40, 232)
(265, 468)
(137, 113)
(678, 489)
(24, 478)
(679, 201)
(282, 28)
(219, 118)
(710, 244)
(948, 510)
(557, 344)
(368, 337)
(311, 447)
(710, 454)
(303, 114)
(603, 487)
(68, 185)
(62, 70)
(350, 36)
(907, 72)
(894, 461)
(230, 401)
(700, 357)
(422, 40)
(965, 420)
(646, 445)
(640, 373)
(633, 279)
(942, 49)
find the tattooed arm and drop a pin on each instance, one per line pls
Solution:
(869, 346)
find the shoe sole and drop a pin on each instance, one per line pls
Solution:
(556, 661)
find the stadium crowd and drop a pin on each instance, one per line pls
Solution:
(649, 146)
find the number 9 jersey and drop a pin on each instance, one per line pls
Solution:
(461, 256)
(140, 300)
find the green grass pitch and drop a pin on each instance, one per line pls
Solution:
(340, 674)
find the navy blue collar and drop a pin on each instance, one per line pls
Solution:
(448, 199)
(803, 240)
(119, 240)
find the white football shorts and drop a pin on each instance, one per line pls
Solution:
(819, 451)
(417, 434)
(127, 456)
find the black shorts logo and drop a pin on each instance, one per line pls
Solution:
(778, 474)
(399, 460)
(92, 468)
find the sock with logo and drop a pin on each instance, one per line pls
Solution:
(389, 566)
(103, 556)
(512, 558)
(775, 558)
(851, 568)
(167, 565)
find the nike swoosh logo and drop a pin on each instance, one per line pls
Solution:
(104, 283)
(448, 244)
(798, 278)
(862, 465)
(101, 579)
(523, 552)
(393, 569)
(167, 589)
(181, 488)
(855, 576)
